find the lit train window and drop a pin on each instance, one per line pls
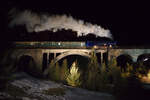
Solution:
(59, 43)
(82, 44)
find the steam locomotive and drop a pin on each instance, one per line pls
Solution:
(100, 43)
(71, 44)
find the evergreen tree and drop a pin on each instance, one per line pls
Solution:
(51, 70)
(64, 71)
(73, 78)
(57, 72)
(93, 64)
(92, 72)
(54, 71)
(114, 71)
(104, 79)
(120, 83)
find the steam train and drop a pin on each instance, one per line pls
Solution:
(100, 43)
(68, 44)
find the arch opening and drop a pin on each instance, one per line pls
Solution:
(82, 61)
(26, 63)
(70, 53)
(123, 60)
(44, 61)
(144, 59)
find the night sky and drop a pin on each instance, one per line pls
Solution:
(128, 21)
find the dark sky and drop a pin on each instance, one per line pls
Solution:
(128, 21)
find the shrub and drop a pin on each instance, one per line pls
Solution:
(57, 72)
(54, 71)
(7, 65)
(103, 79)
(51, 70)
(140, 69)
(125, 83)
(64, 71)
(73, 78)
(92, 73)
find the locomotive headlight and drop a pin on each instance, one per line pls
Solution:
(59, 43)
(82, 44)
(95, 47)
(110, 46)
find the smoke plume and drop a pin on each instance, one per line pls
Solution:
(35, 22)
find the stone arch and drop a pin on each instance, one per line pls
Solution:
(123, 59)
(145, 59)
(26, 63)
(65, 54)
(143, 56)
(20, 55)
(71, 53)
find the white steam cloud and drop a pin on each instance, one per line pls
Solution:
(37, 23)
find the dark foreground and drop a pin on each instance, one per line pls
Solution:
(25, 87)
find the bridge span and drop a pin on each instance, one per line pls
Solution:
(38, 54)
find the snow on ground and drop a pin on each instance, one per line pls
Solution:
(35, 87)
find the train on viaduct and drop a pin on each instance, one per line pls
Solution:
(39, 51)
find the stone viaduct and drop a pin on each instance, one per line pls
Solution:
(56, 54)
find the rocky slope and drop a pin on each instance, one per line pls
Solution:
(25, 87)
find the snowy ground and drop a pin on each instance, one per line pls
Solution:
(35, 87)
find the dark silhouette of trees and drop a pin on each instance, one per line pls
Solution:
(20, 33)
(123, 60)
